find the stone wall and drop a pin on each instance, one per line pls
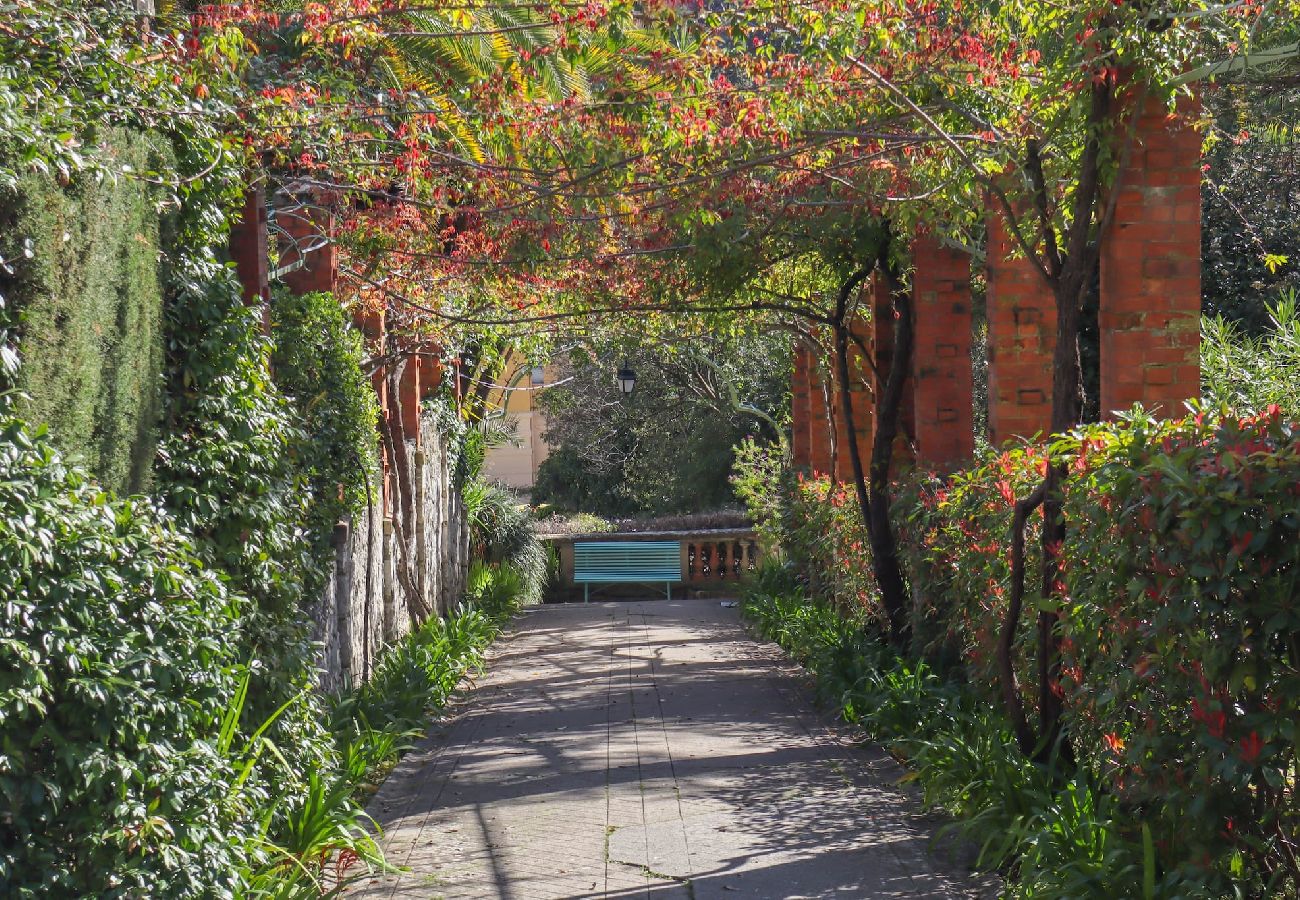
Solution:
(357, 615)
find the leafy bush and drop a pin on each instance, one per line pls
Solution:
(501, 532)
(550, 522)
(759, 479)
(1248, 372)
(415, 676)
(229, 471)
(317, 361)
(1180, 672)
(115, 669)
(955, 537)
(1182, 669)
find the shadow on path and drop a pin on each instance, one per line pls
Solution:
(648, 749)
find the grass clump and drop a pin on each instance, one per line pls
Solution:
(1053, 833)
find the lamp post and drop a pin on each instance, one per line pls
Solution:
(626, 378)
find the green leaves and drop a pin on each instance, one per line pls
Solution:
(1179, 668)
(317, 361)
(114, 669)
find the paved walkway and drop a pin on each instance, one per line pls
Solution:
(648, 749)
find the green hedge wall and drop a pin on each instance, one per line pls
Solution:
(82, 275)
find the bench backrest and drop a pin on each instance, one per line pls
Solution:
(630, 561)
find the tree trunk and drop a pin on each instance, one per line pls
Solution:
(1074, 274)
(872, 488)
(1067, 410)
(1025, 737)
(884, 545)
(390, 427)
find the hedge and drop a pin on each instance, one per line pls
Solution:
(82, 274)
(1181, 671)
(115, 671)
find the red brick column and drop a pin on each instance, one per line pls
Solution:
(1022, 335)
(248, 248)
(410, 394)
(819, 420)
(800, 410)
(1151, 269)
(308, 236)
(882, 348)
(429, 361)
(942, 381)
(420, 378)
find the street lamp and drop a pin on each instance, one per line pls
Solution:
(626, 378)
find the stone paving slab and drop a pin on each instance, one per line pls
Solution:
(651, 750)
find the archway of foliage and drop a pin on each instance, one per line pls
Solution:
(495, 171)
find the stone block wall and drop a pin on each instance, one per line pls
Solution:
(354, 620)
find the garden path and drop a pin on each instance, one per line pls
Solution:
(648, 749)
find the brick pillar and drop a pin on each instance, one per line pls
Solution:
(942, 383)
(430, 364)
(881, 332)
(819, 431)
(408, 400)
(864, 407)
(1151, 267)
(800, 410)
(308, 236)
(248, 249)
(1022, 336)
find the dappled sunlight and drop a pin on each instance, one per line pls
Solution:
(617, 749)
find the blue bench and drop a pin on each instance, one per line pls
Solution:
(626, 562)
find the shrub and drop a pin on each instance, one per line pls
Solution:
(954, 535)
(759, 479)
(1248, 372)
(416, 675)
(317, 362)
(115, 668)
(1182, 670)
(229, 471)
(1180, 674)
(502, 534)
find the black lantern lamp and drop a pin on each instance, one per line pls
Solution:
(626, 378)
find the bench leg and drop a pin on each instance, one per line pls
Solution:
(669, 585)
(586, 597)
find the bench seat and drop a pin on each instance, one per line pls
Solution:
(626, 562)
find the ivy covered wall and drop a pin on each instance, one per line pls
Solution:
(82, 275)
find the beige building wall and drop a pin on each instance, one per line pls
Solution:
(511, 465)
